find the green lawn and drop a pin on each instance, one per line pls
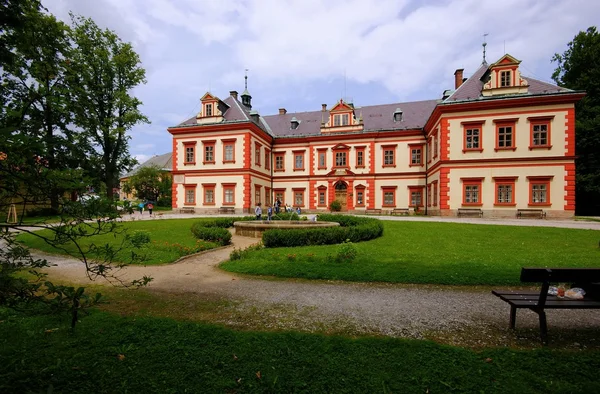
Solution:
(109, 353)
(170, 240)
(437, 253)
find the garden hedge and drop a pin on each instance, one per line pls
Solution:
(351, 228)
(215, 229)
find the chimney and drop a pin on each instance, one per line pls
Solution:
(233, 94)
(282, 111)
(324, 107)
(254, 116)
(458, 77)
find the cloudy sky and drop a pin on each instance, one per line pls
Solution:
(301, 53)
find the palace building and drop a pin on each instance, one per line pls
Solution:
(498, 142)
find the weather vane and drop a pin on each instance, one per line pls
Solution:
(484, 45)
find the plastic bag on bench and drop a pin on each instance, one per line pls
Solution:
(575, 293)
(552, 290)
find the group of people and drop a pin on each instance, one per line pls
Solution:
(145, 204)
(276, 207)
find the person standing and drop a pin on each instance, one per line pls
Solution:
(141, 207)
(269, 212)
(150, 208)
(258, 211)
(277, 206)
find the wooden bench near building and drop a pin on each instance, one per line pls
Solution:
(187, 210)
(530, 212)
(227, 210)
(539, 300)
(374, 211)
(400, 211)
(469, 212)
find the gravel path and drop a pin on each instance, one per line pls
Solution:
(468, 315)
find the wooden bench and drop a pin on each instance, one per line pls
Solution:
(539, 301)
(400, 211)
(373, 211)
(469, 212)
(530, 212)
(187, 210)
(227, 210)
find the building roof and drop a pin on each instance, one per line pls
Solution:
(164, 162)
(472, 87)
(375, 118)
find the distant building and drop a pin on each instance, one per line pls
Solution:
(164, 162)
(497, 142)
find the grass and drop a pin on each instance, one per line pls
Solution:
(170, 240)
(435, 253)
(108, 353)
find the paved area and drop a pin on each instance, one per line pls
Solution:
(383, 309)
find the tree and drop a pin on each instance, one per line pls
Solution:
(35, 94)
(150, 183)
(579, 69)
(104, 70)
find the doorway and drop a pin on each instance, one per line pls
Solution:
(341, 193)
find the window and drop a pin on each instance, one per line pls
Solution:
(416, 196)
(540, 132)
(279, 194)
(435, 193)
(389, 154)
(539, 190)
(389, 196)
(298, 197)
(208, 110)
(257, 153)
(322, 196)
(472, 136)
(268, 195)
(209, 193)
(228, 151)
(279, 161)
(229, 194)
(435, 146)
(505, 191)
(340, 159)
(360, 198)
(209, 152)
(190, 194)
(190, 152)
(299, 161)
(267, 159)
(472, 191)
(341, 119)
(429, 194)
(505, 78)
(429, 150)
(360, 157)
(505, 137)
(322, 163)
(257, 190)
(416, 157)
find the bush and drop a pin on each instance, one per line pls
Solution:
(164, 202)
(346, 252)
(335, 206)
(352, 229)
(219, 235)
(139, 238)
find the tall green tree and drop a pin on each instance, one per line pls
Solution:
(579, 69)
(36, 99)
(104, 71)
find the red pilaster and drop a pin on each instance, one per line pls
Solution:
(350, 195)
(247, 198)
(173, 184)
(570, 132)
(312, 199)
(444, 188)
(444, 139)
(371, 188)
(570, 187)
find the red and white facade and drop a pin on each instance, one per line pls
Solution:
(499, 142)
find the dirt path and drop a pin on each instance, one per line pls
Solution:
(469, 315)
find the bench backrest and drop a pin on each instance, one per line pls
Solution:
(570, 275)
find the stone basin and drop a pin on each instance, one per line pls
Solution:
(256, 228)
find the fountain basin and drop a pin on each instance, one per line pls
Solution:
(256, 228)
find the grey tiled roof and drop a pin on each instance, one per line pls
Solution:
(164, 162)
(375, 117)
(471, 88)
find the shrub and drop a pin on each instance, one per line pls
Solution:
(352, 228)
(346, 252)
(139, 238)
(215, 234)
(335, 206)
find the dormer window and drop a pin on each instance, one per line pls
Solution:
(505, 78)
(294, 123)
(398, 115)
(341, 120)
(208, 110)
